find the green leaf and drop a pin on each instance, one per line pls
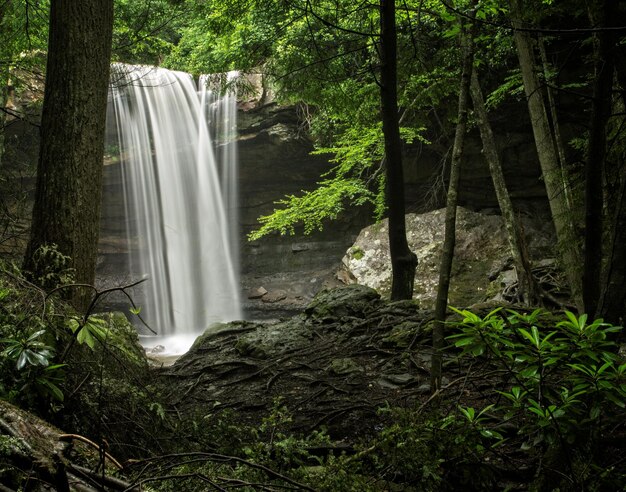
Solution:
(532, 337)
(619, 401)
(51, 388)
(529, 372)
(464, 341)
(73, 324)
(22, 361)
(36, 335)
(85, 336)
(4, 293)
(468, 413)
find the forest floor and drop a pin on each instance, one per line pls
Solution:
(341, 365)
(335, 398)
(336, 364)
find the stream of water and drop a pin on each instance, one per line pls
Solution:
(179, 167)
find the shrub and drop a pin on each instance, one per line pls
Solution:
(563, 387)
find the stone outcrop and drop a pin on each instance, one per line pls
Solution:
(334, 364)
(482, 264)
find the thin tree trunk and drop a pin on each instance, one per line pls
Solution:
(612, 303)
(403, 260)
(69, 175)
(3, 116)
(548, 160)
(554, 116)
(595, 160)
(527, 286)
(4, 72)
(447, 254)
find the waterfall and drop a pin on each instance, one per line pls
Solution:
(178, 166)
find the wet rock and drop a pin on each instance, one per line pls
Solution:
(394, 381)
(249, 348)
(274, 296)
(344, 367)
(337, 303)
(157, 349)
(257, 293)
(325, 362)
(402, 335)
(299, 247)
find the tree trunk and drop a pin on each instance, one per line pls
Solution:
(447, 254)
(403, 260)
(595, 160)
(4, 70)
(554, 116)
(544, 142)
(527, 286)
(69, 174)
(612, 303)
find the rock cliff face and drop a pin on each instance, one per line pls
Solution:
(274, 161)
(283, 273)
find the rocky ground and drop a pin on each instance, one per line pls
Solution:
(335, 364)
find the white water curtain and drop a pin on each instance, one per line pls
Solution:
(180, 196)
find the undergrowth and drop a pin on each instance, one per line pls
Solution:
(538, 405)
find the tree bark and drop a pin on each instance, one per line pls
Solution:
(612, 303)
(4, 70)
(544, 143)
(447, 254)
(554, 116)
(595, 159)
(527, 286)
(69, 174)
(403, 260)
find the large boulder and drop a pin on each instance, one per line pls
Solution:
(482, 255)
(356, 300)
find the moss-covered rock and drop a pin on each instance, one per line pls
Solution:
(353, 300)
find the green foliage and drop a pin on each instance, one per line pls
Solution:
(28, 372)
(23, 42)
(53, 266)
(31, 357)
(27, 350)
(312, 208)
(38, 331)
(356, 180)
(565, 384)
(145, 31)
(226, 35)
(324, 54)
(414, 450)
(89, 330)
(511, 87)
(437, 450)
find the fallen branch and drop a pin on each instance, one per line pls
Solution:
(77, 437)
(225, 459)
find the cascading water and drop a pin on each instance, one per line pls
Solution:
(178, 163)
